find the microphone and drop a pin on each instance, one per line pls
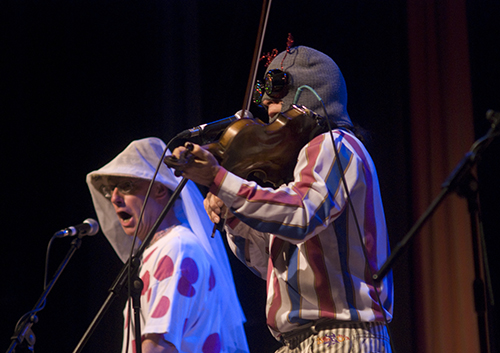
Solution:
(88, 227)
(210, 132)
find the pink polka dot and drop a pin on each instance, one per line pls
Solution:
(147, 257)
(212, 344)
(162, 308)
(211, 280)
(126, 319)
(145, 280)
(165, 268)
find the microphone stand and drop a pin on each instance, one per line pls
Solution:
(464, 184)
(23, 331)
(131, 266)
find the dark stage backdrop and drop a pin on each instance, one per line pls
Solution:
(81, 79)
(484, 33)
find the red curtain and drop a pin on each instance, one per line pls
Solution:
(442, 132)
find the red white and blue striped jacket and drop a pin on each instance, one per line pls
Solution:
(303, 237)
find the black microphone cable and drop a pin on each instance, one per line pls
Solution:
(351, 206)
(141, 215)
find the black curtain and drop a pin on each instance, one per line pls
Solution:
(484, 34)
(82, 79)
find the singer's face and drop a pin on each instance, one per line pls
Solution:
(273, 107)
(128, 204)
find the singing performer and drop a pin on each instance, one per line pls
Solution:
(189, 302)
(318, 239)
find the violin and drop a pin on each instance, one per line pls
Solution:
(264, 153)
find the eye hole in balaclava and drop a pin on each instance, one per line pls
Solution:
(275, 85)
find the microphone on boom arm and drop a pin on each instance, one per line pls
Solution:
(88, 227)
(211, 131)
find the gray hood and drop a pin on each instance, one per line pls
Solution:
(307, 66)
(140, 160)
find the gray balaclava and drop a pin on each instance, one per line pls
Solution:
(307, 66)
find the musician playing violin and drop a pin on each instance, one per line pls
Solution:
(318, 239)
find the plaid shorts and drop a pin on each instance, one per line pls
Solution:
(361, 337)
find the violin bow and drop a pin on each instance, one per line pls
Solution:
(266, 7)
(264, 15)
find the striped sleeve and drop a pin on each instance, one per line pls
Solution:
(251, 247)
(301, 209)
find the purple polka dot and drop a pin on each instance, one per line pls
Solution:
(185, 288)
(211, 280)
(185, 326)
(189, 273)
(212, 344)
(189, 270)
(162, 308)
(165, 268)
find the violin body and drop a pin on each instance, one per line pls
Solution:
(264, 153)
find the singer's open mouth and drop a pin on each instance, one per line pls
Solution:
(124, 216)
